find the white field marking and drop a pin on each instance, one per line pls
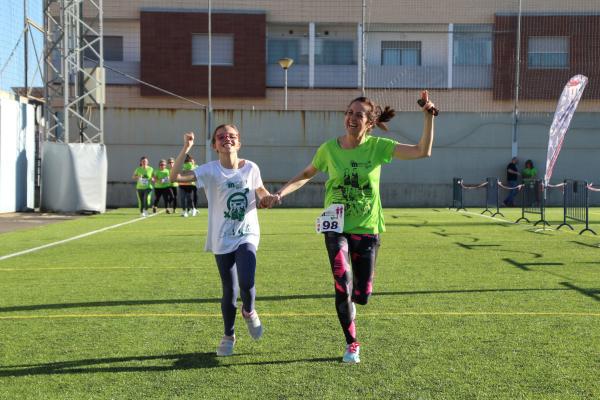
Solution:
(300, 315)
(20, 253)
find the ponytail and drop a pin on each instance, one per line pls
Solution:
(376, 115)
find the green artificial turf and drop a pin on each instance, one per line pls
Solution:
(464, 307)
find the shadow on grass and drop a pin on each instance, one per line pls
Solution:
(593, 246)
(179, 362)
(591, 293)
(525, 266)
(331, 295)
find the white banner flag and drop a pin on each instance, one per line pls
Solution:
(562, 118)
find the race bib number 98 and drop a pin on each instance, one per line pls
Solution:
(143, 181)
(331, 220)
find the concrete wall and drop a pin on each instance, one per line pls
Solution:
(468, 145)
(17, 154)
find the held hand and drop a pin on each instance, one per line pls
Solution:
(270, 201)
(188, 140)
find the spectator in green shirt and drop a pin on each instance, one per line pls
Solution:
(529, 172)
(353, 164)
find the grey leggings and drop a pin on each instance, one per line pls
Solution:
(237, 271)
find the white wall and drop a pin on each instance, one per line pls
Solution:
(17, 155)
(468, 145)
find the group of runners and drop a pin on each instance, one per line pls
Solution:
(351, 224)
(149, 180)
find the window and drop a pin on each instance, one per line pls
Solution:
(282, 48)
(548, 52)
(400, 53)
(472, 45)
(221, 49)
(113, 48)
(334, 52)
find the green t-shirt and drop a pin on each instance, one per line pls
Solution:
(354, 181)
(146, 175)
(161, 177)
(529, 173)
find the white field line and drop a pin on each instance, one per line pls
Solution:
(20, 253)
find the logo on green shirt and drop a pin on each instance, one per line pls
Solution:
(356, 197)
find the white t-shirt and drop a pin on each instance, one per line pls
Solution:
(232, 216)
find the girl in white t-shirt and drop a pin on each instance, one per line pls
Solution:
(231, 185)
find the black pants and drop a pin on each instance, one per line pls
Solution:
(352, 258)
(187, 196)
(165, 193)
(173, 197)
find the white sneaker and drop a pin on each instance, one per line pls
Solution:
(254, 326)
(352, 354)
(194, 212)
(185, 214)
(226, 346)
(144, 213)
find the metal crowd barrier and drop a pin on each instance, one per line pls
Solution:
(576, 204)
(492, 197)
(457, 194)
(532, 201)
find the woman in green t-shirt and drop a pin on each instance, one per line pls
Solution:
(162, 186)
(353, 165)
(174, 185)
(143, 177)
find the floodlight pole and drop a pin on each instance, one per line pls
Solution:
(515, 131)
(208, 122)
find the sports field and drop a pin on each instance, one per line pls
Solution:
(465, 307)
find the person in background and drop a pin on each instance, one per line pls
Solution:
(143, 177)
(162, 186)
(174, 186)
(512, 180)
(187, 189)
(529, 179)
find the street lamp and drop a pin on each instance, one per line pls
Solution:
(285, 63)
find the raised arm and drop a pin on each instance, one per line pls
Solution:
(294, 184)
(423, 148)
(176, 174)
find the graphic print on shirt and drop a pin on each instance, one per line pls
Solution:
(237, 204)
(356, 197)
(236, 209)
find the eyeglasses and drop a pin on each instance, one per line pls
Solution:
(232, 136)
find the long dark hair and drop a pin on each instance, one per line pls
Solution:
(376, 115)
